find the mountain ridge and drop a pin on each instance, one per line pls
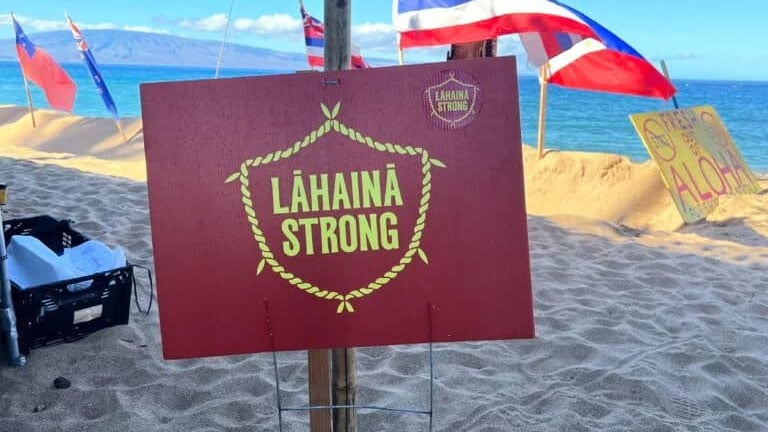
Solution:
(126, 47)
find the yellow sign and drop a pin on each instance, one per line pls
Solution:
(697, 158)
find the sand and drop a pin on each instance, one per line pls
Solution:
(642, 324)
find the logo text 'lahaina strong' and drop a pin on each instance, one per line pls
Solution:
(333, 192)
(366, 199)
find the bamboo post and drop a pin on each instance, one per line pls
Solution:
(666, 74)
(122, 132)
(337, 56)
(29, 100)
(542, 108)
(319, 378)
(344, 389)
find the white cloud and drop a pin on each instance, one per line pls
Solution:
(33, 25)
(102, 26)
(215, 22)
(379, 37)
(144, 29)
(277, 25)
(273, 26)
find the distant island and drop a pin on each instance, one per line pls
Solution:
(123, 47)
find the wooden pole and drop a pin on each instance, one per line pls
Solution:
(29, 100)
(542, 108)
(666, 74)
(338, 35)
(319, 377)
(337, 56)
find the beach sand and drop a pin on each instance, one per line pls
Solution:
(642, 324)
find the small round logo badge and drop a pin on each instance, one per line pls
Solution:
(452, 99)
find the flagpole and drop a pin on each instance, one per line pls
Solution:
(26, 88)
(29, 99)
(224, 41)
(542, 107)
(666, 74)
(400, 56)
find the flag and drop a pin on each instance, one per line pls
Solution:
(540, 47)
(581, 53)
(42, 69)
(314, 38)
(90, 64)
(443, 22)
(606, 63)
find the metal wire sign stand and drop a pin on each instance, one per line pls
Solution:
(280, 408)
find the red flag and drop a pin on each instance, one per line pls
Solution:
(42, 69)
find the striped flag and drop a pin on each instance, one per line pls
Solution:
(90, 64)
(443, 22)
(578, 52)
(540, 47)
(606, 63)
(40, 68)
(314, 38)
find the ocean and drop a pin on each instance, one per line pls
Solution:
(576, 120)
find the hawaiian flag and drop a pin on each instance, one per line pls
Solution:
(40, 68)
(90, 64)
(314, 38)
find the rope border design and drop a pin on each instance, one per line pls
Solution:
(268, 258)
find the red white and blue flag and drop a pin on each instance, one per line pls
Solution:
(40, 68)
(90, 64)
(443, 22)
(578, 52)
(606, 63)
(540, 47)
(314, 38)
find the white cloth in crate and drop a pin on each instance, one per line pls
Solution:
(31, 263)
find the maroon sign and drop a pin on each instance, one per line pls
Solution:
(325, 210)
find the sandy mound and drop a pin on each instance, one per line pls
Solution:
(89, 144)
(611, 188)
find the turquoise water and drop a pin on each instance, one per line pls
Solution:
(576, 120)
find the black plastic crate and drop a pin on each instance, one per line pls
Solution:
(51, 314)
(56, 234)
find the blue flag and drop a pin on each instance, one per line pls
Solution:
(90, 63)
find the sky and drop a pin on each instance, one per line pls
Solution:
(697, 39)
